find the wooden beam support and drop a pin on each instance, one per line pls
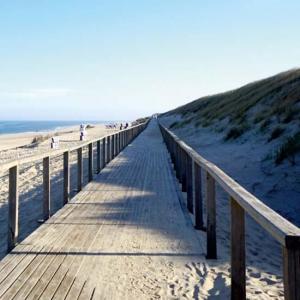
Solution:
(211, 217)
(46, 185)
(103, 154)
(108, 153)
(189, 184)
(199, 223)
(291, 268)
(238, 256)
(66, 177)
(98, 157)
(79, 170)
(91, 162)
(13, 208)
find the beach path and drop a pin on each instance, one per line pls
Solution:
(125, 236)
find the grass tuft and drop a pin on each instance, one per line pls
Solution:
(288, 150)
(276, 133)
(236, 132)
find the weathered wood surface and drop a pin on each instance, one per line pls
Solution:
(113, 239)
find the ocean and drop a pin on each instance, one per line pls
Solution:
(36, 126)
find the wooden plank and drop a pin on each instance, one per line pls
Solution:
(211, 217)
(91, 162)
(199, 223)
(66, 177)
(238, 256)
(46, 186)
(11, 291)
(55, 256)
(22, 287)
(13, 208)
(79, 170)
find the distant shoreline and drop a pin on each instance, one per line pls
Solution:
(40, 127)
(11, 141)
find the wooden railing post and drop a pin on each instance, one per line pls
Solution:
(291, 268)
(13, 208)
(91, 162)
(238, 260)
(189, 183)
(79, 169)
(177, 161)
(98, 157)
(112, 146)
(46, 184)
(199, 224)
(211, 217)
(183, 169)
(66, 177)
(120, 140)
(103, 159)
(117, 144)
(108, 152)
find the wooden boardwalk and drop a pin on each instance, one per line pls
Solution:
(125, 236)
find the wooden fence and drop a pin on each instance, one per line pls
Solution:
(188, 164)
(107, 148)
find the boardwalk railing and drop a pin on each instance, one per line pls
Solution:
(107, 148)
(188, 164)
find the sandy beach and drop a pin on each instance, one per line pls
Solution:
(16, 146)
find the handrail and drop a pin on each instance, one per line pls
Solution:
(33, 158)
(108, 147)
(287, 234)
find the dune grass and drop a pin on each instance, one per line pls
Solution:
(278, 96)
(271, 106)
(288, 149)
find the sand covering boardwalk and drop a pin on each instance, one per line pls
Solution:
(125, 236)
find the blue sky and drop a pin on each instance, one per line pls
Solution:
(111, 60)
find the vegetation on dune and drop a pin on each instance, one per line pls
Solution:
(236, 132)
(276, 133)
(276, 94)
(288, 149)
(271, 105)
